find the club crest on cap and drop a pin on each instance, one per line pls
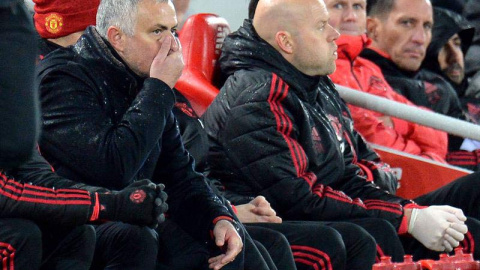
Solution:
(54, 23)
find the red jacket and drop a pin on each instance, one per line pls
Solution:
(359, 73)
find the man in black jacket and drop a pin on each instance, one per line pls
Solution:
(42, 216)
(313, 243)
(106, 106)
(279, 129)
(451, 38)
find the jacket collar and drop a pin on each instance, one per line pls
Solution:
(244, 49)
(99, 53)
(383, 60)
(350, 47)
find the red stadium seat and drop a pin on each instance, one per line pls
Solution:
(202, 38)
(418, 175)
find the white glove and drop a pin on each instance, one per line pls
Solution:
(429, 226)
(454, 235)
(470, 145)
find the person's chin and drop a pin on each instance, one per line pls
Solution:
(411, 66)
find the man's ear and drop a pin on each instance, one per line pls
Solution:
(372, 27)
(116, 37)
(284, 41)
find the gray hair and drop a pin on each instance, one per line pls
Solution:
(119, 13)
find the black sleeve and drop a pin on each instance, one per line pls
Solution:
(191, 201)
(37, 171)
(65, 206)
(79, 134)
(18, 97)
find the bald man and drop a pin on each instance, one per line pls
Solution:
(279, 129)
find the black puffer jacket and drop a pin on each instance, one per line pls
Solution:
(276, 132)
(105, 126)
(424, 88)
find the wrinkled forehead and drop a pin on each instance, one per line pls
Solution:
(151, 12)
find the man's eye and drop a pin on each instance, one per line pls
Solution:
(157, 31)
(358, 7)
(407, 23)
(174, 32)
(338, 6)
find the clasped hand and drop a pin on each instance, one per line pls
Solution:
(439, 228)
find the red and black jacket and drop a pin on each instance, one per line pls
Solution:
(274, 131)
(33, 191)
(361, 74)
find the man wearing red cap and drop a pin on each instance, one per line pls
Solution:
(60, 23)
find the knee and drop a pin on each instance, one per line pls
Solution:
(364, 239)
(131, 235)
(85, 234)
(275, 240)
(29, 234)
(20, 240)
(381, 225)
(331, 236)
(21, 235)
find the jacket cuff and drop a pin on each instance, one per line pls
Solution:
(216, 220)
(221, 218)
(403, 229)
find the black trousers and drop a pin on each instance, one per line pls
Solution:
(463, 193)
(25, 245)
(125, 247)
(327, 245)
(273, 246)
(387, 241)
(179, 251)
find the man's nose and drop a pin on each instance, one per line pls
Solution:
(334, 34)
(349, 14)
(419, 35)
(455, 54)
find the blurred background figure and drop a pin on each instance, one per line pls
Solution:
(17, 96)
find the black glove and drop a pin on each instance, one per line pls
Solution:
(140, 203)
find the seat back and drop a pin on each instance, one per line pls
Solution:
(202, 39)
(418, 175)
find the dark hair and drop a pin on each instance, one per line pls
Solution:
(251, 8)
(379, 8)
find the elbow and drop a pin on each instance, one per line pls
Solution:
(15, 153)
